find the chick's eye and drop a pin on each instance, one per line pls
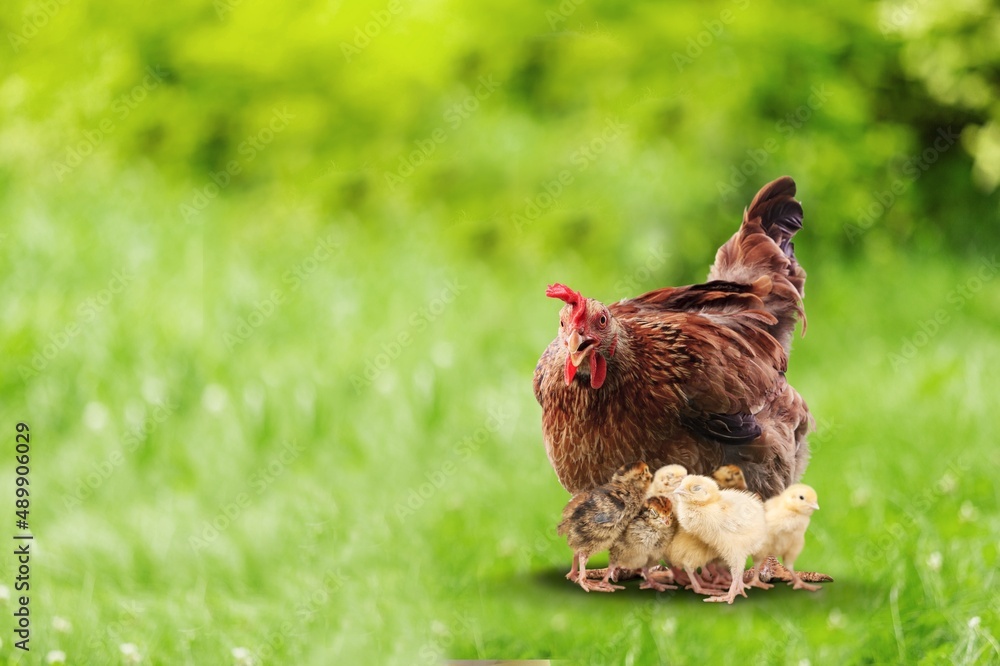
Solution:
(696, 489)
(801, 497)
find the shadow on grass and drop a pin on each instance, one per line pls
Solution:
(844, 592)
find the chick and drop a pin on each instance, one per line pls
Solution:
(644, 541)
(787, 516)
(730, 522)
(730, 476)
(687, 553)
(665, 481)
(593, 520)
(727, 476)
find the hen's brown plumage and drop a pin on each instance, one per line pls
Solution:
(690, 375)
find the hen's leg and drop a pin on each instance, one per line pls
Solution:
(797, 582)
(752, 578)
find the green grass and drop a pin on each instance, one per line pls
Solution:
(413, 517)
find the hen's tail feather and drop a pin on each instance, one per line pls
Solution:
(763, 247)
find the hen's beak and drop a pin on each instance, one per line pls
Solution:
(579, 346)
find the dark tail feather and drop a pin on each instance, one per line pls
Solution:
(763, 247)
(779, 213)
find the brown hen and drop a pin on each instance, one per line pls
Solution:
(688, 375)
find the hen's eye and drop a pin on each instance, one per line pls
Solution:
(604, 320)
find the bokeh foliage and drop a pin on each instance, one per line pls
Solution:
(332, 224)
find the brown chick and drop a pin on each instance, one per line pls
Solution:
(730, 476)
(666, 480)
(644, 541)
(787, 517)
(731, 522)
(595, 519)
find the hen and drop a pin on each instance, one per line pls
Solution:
(689, 375)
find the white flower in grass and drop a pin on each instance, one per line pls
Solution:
(967, 512)
(61, 624)
(4, 594)
(131, 652)
(55, 657)
(974, 622)
(836, 619)
(242, 656)
(934, 561)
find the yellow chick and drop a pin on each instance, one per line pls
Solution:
(787, 517)
(730, 522)
(687, 552)
(666, 480)
(644, 541)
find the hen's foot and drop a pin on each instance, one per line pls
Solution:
(598, 586)
(773, 570)
(621, 574)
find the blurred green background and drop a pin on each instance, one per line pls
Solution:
(274, 291)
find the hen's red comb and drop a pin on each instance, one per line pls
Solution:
(574, 298)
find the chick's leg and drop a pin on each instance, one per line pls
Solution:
(594, 585)
(574, 572)
(699, 584)
(649, 583)
(735, 588)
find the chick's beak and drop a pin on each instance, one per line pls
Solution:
(814, 506)
(579, 346)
